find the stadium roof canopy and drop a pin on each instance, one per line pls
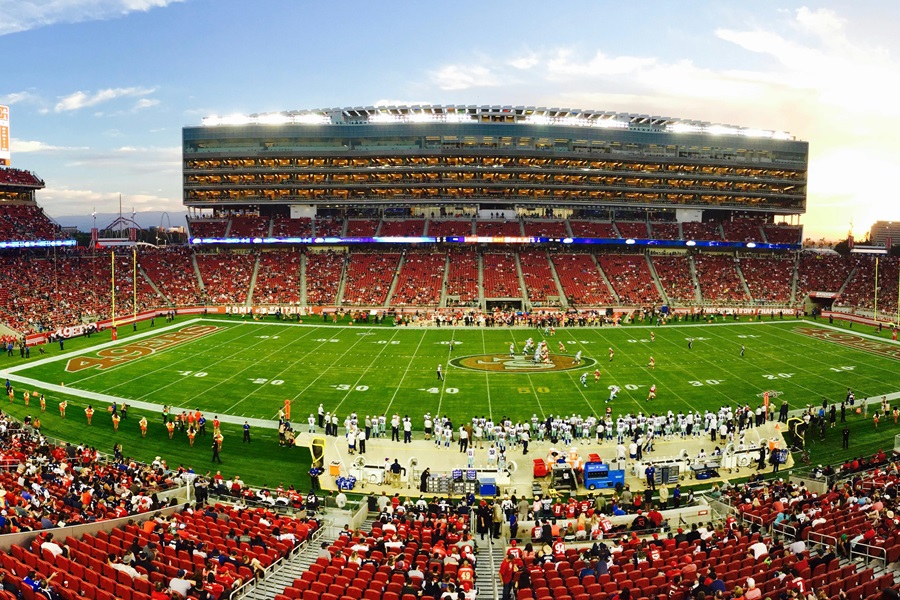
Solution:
(491, 114)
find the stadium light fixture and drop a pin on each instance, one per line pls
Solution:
(273, 119)
(311, 119)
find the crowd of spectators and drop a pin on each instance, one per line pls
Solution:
(580, 280)
(630, 276)
(501, 275)
(719, 279)
(323, 276)
(27, 222)
(674, 274)
(226, 276)
(368, 278)
(278, 279)
(462, 276)
(769, 279)
(420, 280)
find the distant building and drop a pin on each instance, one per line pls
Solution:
(882, 231)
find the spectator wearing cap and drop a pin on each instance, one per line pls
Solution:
(180, 585)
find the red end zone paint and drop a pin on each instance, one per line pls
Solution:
(852, 341)
(113, 357)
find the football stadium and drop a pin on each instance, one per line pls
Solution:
(482, 337)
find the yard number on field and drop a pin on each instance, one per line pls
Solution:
(706, 382)
(345, 387)
(779, 376)
(261, 381)
(842, 369)
(628, 386)
(192, 373)
(540, 390)
(434, 390)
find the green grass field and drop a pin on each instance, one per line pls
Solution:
(246, 369)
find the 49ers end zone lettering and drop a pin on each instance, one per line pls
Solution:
(113, 357)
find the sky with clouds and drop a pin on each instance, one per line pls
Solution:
(100, 89)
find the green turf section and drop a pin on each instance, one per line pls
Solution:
(247, 369)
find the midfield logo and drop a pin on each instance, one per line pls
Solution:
(499, 363)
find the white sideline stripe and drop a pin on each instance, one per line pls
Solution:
(98, 397)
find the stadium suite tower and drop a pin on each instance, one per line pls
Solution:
(436, 160)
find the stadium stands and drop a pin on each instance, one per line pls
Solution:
(9, 176)
(860, 290)
(594, 229)
(769, 279)
(665, 231)
(369, 277)
(581, 280)
(25, 222)
(782, 234)
(719, 279)
(361, 227)
(327, 227)
(420, 280)
(454, 227)
(630, 277)
(501, 277)
(402, 228)
(743, 230)
(701, 231)
(207, 227)
(462, 277)
(172, 270)
(285, 227)
(249, 226)
(821, 272)
(278, 280)
(226, 276)
(674, 274)
(498, 228)
(323, 276)
(633, 230)
(539, 282)
(546, 228)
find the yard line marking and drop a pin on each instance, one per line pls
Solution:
(798, 365)
(104, 345)
(277, 376)
(534, 391)
(487, 379)
(678, 366)
(207, 367)
(329, 367)
(366, 370)
(408, 366)
(163, 368)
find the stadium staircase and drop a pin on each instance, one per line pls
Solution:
(487, 580)
(339, 297)
(656, 281)
(522, 286)
(394, 279)
(249, 301)
(740, 274)
(618, 233)
(795, 279)
(443, 300)
(697, 295)
(569, 231)
(480, 282)
(563, 301)
(283, 574)
(721, 231)
(846, 282)
(377, 229)
(605, 279)
(152, 285)
(200, 284)
(303, 279)
(228, 228)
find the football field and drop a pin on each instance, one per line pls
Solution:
(246, 369)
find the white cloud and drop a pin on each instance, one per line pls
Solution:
(807, 74)
(17, 97)
(79, 99)
(18, 146)
(145, 103)
(64, 201)
(23, 15)
(132, 160)
(464, 76)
